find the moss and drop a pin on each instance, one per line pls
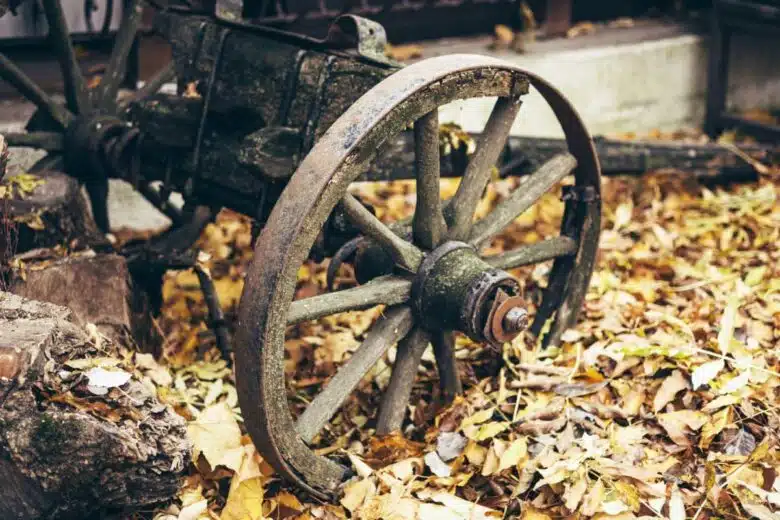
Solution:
(51, 433)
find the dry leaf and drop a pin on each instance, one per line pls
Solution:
(669, 389)
(215, 434)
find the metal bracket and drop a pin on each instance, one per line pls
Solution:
(355, 32)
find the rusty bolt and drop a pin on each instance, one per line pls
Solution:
(10, 363)
(515, 320)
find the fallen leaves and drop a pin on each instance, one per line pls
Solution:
(215, 434)
(659, 404)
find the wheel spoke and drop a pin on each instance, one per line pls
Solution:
(75, 89)
(117, 65)
(396, 397)
(428, 223)
(403, 253)
(165, 75)
(97, 190)
(444, 350)
(577, 272)
(49, 162)
(387, 331)
(533, 254)
(386, 290)
(49, 141)
(523, 197)
(27, 88)
(479, 169)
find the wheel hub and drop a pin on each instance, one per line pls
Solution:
(455, 289)
(99, 146)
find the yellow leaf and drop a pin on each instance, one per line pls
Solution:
(529, 513)
(678, 424)
(670, 387)
(629, 494)
(719, 421)
(756, 275)
(357, 493)
(516, 453)
(478, 417)
(215, 434)
(489, 430)
(245, 501)
(727, 321)
(475, 453)
(574, 492)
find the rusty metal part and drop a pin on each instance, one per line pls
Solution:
(507, 318)
(340, 156)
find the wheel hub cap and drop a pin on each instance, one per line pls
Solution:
(455, 289)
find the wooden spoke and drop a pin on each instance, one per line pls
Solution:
(444, 349)
(97, 189)
(479, 169)
(396, 397)
(49, 141)
(533, 254)
(428, 224)
(403, 253)
(75, 88)
(523, 197)
(165, 75)
(386, 332)
(117, 65)
(385, 290)
(579, 269)
(49, 162)
(27, 88)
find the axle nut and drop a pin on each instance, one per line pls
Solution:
(515, 320)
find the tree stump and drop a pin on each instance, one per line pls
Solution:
(66, 449)
(52, 213)
(97, 288)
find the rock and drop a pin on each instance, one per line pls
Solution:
(66, 452)
(52, 212)
(97, 288)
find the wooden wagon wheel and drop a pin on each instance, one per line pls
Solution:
(87, 137)
(439, 269)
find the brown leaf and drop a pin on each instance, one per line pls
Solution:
(669, 389)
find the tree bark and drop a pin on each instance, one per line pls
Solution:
(65, 450)
(54, 213)
(97, 289)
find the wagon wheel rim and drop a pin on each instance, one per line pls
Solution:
(59, 126)
(320, 183)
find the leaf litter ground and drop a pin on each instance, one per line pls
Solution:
(661, 403)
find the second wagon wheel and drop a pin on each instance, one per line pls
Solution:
(440, 283)
(87, 137)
